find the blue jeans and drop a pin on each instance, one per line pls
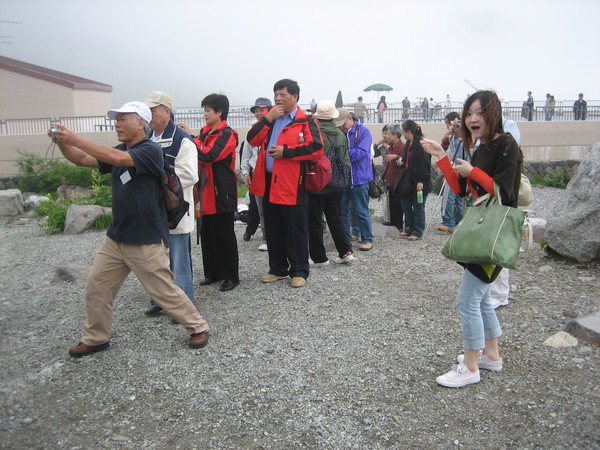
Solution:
(455, 207)
(180, 255)
(359, 196)
(414, 214)
(479, 321)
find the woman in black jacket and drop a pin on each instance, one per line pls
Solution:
(415, 182)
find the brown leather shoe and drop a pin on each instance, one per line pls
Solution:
(82, 349)
(199, 340)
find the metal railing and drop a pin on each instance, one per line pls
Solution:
(240, 116)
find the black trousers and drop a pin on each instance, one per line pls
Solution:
(287, 236)
(219, 247)
(330, 205)
(253, 214)
(396, 214)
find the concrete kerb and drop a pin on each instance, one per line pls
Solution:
(586, 327)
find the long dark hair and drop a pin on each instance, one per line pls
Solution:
(492, 114)
(414, 128)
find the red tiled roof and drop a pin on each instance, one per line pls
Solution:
(53, 76)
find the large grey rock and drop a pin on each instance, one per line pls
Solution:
(573, 228)
(11, 203)
(81, 217)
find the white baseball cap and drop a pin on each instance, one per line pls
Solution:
(132, 107)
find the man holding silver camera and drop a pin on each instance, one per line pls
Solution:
(136, 239)
(453, 205)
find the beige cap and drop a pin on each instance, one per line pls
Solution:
(156, 98)
(344, 113)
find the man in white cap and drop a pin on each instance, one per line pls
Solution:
(137, 237)
(179, 152)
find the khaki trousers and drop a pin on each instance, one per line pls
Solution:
(150, 264)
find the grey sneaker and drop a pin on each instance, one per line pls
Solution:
(483, 362)
(459, 376)
(318, 264)
(346, 259)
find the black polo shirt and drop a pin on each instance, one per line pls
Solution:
(139, 216)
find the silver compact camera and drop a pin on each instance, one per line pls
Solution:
(53, 129)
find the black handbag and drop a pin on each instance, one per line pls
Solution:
(376, 187)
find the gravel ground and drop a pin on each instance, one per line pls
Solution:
(348, 361)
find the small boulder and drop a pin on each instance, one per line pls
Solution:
(32, 201)
(11, 203)
(561, 340)
(71, 192)
(81, 217)
(72, 274)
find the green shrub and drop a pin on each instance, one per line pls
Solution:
(37, 174)
(102, 193)
(55, 213)
(557, 179)
(102, 222)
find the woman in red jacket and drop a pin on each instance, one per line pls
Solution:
(217, 186)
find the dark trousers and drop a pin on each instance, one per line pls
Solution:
(219, 247)
(330, 205)
(396, 214)
(253, 216)
(287, 237)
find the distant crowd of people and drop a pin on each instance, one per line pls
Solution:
(428, 110)
(479, 149)
(528, 109)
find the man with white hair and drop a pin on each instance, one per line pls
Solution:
(136, 239)
(179, 151)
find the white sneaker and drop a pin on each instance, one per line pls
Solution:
(346, 259)
(319, 264)
(459, 376)
(497, 303)
(263, 247)
(483, 362)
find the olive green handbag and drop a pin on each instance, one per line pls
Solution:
(487, 234)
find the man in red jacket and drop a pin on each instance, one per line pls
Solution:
(288, 138)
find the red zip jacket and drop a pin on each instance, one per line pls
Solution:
(287, 184)
(217, 183)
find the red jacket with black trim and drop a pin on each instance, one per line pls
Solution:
(217, 183)
(287, 184)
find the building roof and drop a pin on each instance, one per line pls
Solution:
(53, 76)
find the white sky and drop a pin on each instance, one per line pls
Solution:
(241, 48)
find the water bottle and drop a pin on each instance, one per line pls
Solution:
(419, 196)
(300, 138)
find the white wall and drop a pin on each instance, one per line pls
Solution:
(541, 141)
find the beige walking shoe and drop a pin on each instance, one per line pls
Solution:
(298, 282)
(268, 278)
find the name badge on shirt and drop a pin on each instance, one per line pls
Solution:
(125, 177)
